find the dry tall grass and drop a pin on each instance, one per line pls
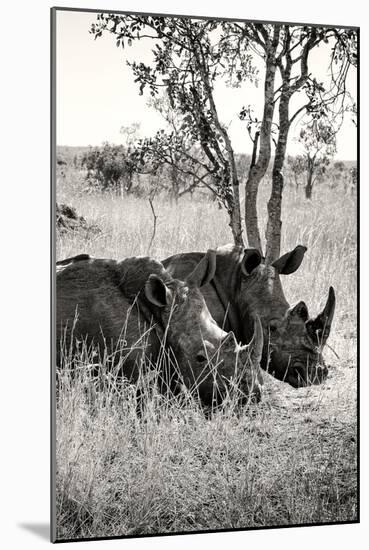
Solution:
(289, 460)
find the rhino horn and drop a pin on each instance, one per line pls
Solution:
(255, 347)
(320, 326)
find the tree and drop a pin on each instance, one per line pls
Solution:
(179, 152)
(318, 139)
(285, 51)
(188, 57)
(175, 153)
(130, 133)
(296, 165)
(266, 39)
(353, 174)
(339, 174)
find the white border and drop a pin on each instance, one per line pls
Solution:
(24, 219)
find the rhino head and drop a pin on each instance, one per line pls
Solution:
(210, 360)
(293, 342)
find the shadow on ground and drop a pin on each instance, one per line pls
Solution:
(42, 530)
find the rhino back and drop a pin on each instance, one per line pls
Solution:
(181, 265)
(92, 302)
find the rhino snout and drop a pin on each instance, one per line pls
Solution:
(252, 392)
(318, 374)
(308, 376)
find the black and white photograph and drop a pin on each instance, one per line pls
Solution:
(204, 214)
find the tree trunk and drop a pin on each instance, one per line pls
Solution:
(258, 170)
(274, 225)
(129, 182)
(233, 203)
(309, 185)
(235, 210)
(255, 149)
(174, 190)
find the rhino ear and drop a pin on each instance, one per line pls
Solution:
(204, 271)
(250, 260)
(157, 292)
(290, 262)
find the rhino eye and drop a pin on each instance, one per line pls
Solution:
(201, 358)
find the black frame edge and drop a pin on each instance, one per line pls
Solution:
(52, 274)
(188, 16)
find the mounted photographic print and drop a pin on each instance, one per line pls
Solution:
(204, 277)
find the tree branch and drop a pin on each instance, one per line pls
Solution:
(154, 224)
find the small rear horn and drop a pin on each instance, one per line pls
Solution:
(320, 327)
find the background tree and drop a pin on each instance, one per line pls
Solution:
(339, 173)
(130, 133)
(177, 149)
(296, 166)
(318, 139)
(353, 174)
(177, 159)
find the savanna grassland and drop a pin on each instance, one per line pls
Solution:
(289, 460)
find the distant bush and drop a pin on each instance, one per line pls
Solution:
(109, 167)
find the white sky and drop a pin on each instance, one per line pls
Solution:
(96, 94)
